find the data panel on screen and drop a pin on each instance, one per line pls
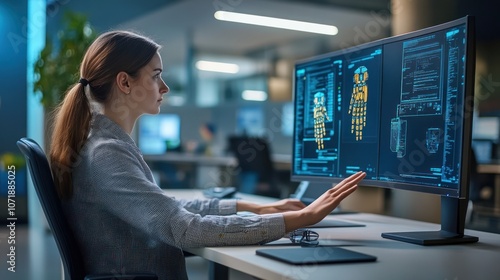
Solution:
(392, 108)
(337, 107)
(422, 121)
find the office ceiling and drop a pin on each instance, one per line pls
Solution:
(188, 27)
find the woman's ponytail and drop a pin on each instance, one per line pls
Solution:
(71, 128)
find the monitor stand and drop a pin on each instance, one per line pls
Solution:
(453, 212)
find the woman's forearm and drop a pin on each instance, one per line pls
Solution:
(247, 206)
(293, 219)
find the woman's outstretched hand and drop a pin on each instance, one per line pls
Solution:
(323, 205)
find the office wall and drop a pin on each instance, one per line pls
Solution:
(191, 119)
(224, 117)
(271, 126)
(487, 95)
(13, 99)
(13, 59)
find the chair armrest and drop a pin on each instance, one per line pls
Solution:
(130, 276)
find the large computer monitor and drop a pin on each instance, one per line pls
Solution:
(399, 109)
(160, 133)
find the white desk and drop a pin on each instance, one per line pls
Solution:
(396, 260)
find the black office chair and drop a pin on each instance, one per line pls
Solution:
(255, 164)
(66, 243)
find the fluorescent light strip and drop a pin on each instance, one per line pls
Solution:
(217, 66)
(254, 95)
(277, 22)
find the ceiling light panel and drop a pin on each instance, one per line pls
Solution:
(277, 22)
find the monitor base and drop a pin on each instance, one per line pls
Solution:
(430, 237)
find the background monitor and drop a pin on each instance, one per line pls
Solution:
(486, 128)
(397, 108)
(250, 120)
(160, 133)
(485, 150)
(485, 138)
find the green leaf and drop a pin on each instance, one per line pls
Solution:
(57, 67)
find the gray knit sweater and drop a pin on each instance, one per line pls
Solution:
(125, 223)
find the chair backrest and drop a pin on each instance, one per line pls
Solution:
(45, 188)
(253, 154)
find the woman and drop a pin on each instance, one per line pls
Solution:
(122, 220)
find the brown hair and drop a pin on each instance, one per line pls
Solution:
(109, 54)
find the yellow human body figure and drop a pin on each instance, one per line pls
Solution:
(320, 116)
(359, 99)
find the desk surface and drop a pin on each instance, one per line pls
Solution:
(396, 260)
(492, 167)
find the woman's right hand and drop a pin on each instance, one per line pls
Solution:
(323, 205)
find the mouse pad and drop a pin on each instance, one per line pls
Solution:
(315, 255)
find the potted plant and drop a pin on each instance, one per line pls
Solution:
(58, 65)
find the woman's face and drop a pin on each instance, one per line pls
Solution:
(149, 87)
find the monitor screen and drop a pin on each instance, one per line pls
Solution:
(399, 109)
(158, 134)
(394, 108)
(250, 120)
